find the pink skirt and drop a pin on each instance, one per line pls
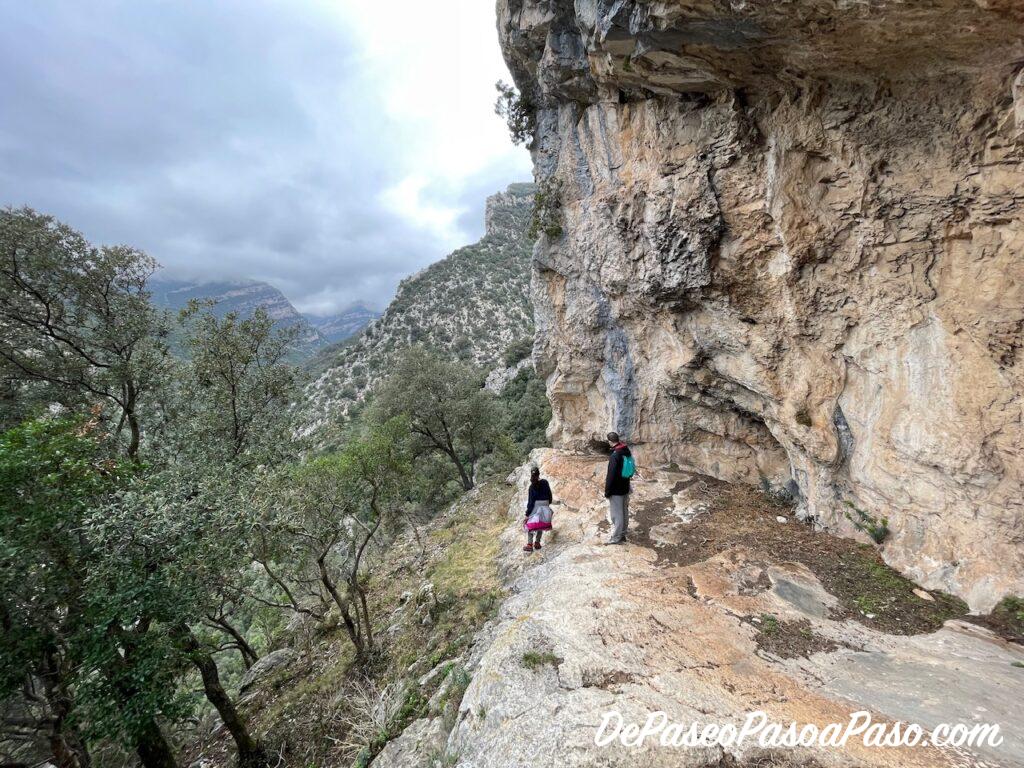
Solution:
(540, 517)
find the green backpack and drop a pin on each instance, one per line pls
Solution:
(628, 467)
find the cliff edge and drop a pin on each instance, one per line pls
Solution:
(788, 253)
(718, 607)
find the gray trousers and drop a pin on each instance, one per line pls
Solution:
(618, 516)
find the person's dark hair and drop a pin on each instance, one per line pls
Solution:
(613, 437)
(534, 474)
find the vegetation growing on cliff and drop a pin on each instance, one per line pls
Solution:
(470, 306)
(547, 209)
(518, 112)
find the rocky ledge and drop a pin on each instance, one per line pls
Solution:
(705, 616)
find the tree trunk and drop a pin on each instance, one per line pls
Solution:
(151, 745)
(250, 752)
(133, 420)
(68, 746)
(152, 748)
(136, 437)
(354, 585)
(249, 656)
(467, 481)
(354, 633)
(365, 612)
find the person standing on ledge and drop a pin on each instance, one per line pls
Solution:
(616, 487)
(538, 510)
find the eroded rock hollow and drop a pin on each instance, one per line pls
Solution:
(791, 252)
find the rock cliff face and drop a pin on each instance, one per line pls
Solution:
(792, 253)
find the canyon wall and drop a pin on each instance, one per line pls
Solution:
(791, 252)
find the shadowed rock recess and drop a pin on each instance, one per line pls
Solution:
(791, 253)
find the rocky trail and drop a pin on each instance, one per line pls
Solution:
(721, 604)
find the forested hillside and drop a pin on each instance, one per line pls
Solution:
(472, 306)
(168, 546)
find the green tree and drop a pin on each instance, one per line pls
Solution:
(54, 475)
(518, 112)
(446, 408)
(112, 577)
(237, 386)
(228, 416)
(324, 516)
(76, 324)
(527, 411)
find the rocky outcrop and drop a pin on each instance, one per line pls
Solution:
(499, 378)
(655, 626)
(791, 254)
(266, 666)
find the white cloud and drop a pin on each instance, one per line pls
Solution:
(330, 147)
(406, 199)
(436, 64)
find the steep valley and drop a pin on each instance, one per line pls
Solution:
(313, 334)
(471, 306)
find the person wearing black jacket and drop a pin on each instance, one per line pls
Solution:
(538, 510)
(616, 490)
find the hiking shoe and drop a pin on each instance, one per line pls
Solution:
(528, 548)
(537, 545)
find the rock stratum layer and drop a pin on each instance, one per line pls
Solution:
(791, 254)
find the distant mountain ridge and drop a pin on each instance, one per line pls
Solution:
(246, 296)
(342, 325)
(472, 305)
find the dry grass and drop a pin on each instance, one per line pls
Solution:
(472, 545)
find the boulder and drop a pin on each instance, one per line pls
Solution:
(420, 744)
(265, 666)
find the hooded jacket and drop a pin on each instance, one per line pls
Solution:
(615, 484)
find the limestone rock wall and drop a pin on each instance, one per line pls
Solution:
(793, 254)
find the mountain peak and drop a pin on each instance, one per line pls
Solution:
(471, 305)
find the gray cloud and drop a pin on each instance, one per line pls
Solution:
(237, 138)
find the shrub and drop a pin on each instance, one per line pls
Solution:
(1010, 614)
(877, 529)
(518, 112)
(520, 349)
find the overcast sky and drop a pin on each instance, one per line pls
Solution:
(329, 147)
